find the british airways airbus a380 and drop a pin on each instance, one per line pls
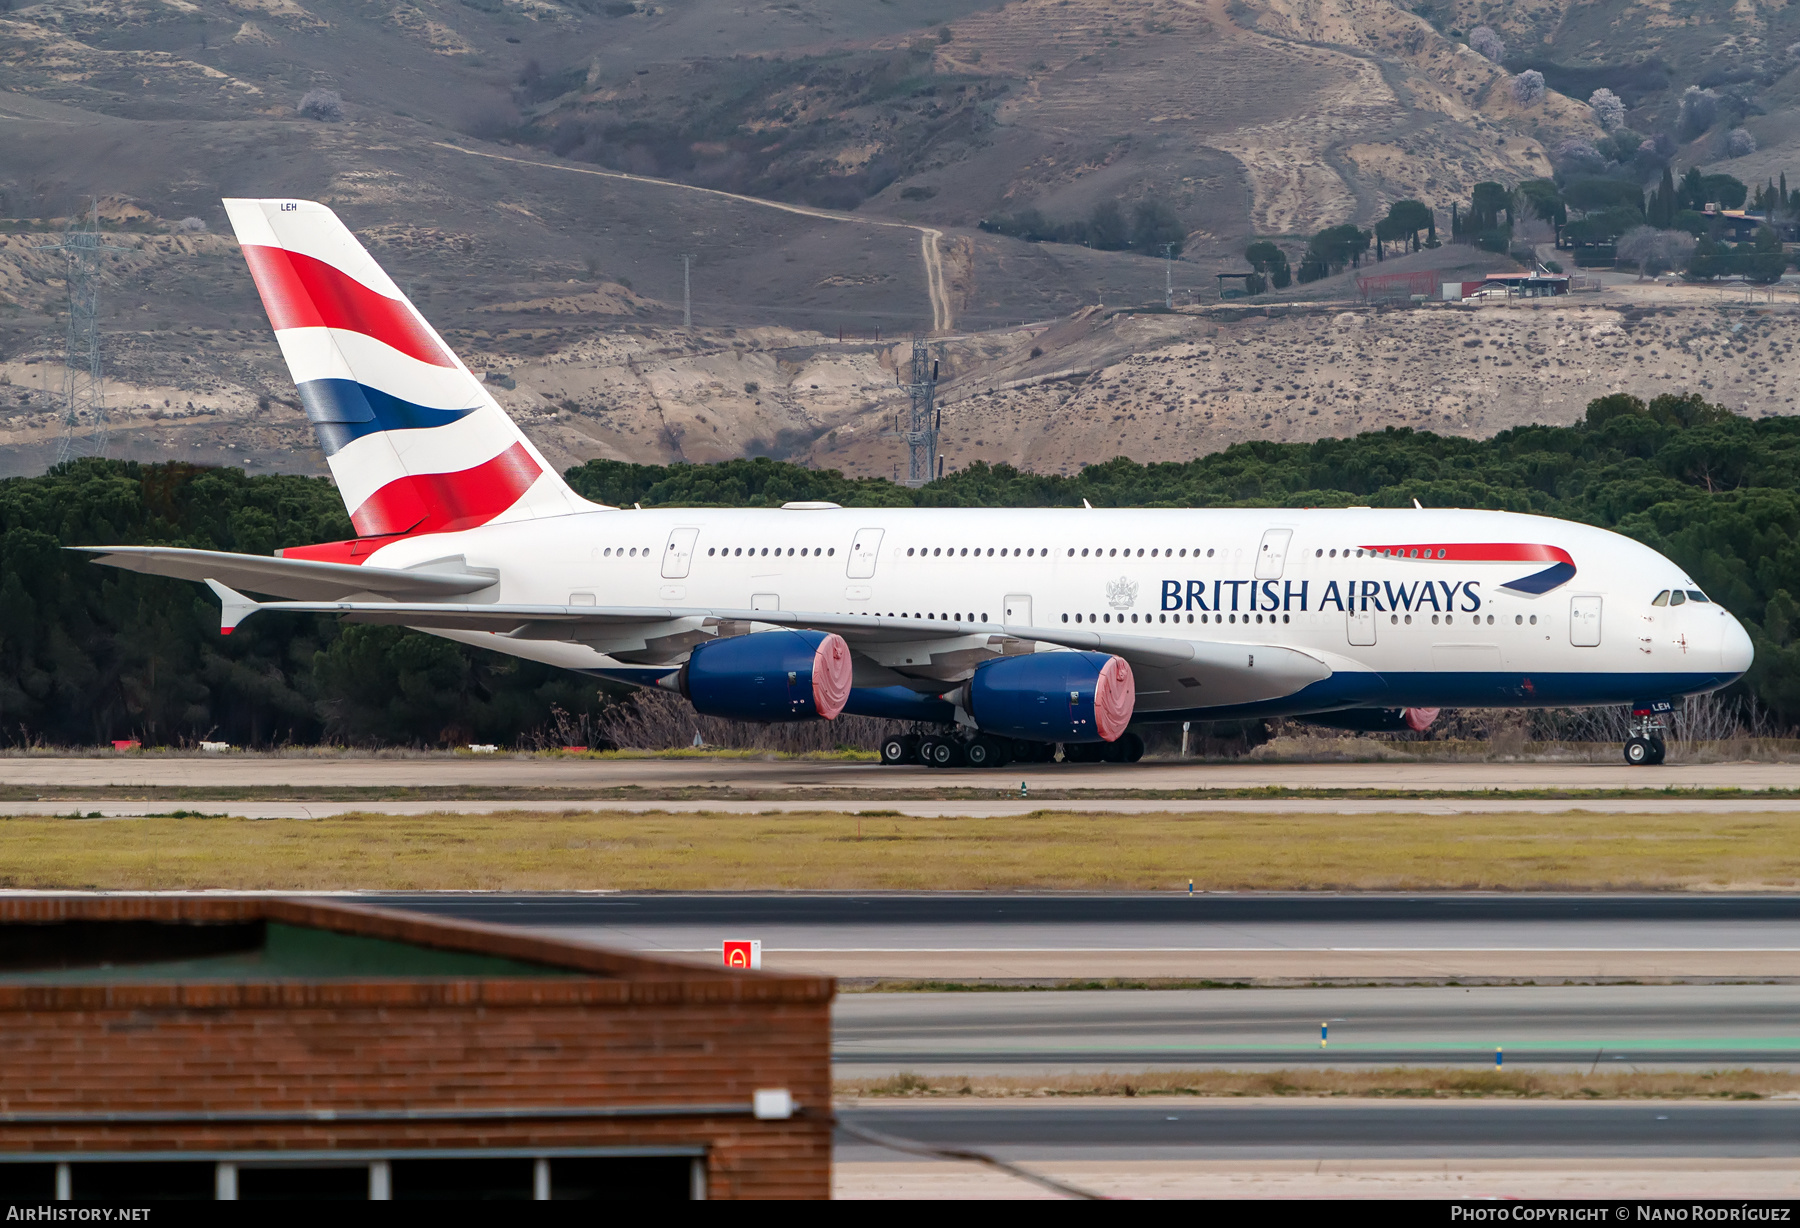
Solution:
(1013, 632)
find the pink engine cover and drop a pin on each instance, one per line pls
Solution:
(831, 676)
(1115, 696)
(1419, 719)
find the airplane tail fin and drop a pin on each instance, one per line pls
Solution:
(414, 440)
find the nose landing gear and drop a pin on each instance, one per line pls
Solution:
(1644, 745)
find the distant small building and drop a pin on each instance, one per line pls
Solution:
(241, 1048)
(1536, 284)
(1239, 285)
(1741, 225)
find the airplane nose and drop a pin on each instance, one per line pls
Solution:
(1735, 650)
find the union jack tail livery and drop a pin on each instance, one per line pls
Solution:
(416, 443)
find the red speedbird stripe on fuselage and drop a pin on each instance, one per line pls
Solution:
(301, 292)
(1477, 552)
(445, 502)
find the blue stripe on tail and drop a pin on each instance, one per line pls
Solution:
(343, 410)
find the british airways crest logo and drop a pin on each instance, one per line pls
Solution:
(1121, 594)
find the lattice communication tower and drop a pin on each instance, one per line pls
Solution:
(922, 430)
(84, 391)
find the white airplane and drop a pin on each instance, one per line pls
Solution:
(1012, 632)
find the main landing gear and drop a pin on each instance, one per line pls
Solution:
(1644, 745)
(987, 751)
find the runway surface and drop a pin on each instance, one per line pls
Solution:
(1208, 936)
(260, 771)
(960, 808)
(1613, 1027)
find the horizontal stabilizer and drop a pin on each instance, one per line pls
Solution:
(234, 607)
(296, 579)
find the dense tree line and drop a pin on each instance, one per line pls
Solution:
(1151, 228)
(91, 653)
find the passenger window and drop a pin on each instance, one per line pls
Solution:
(1677, 597)
(1662, 598)
(1696, 595)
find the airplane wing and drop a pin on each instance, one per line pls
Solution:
(927, 650)
(299, 579)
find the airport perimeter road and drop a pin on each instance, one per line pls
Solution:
(1224, 937)
(1176, 1148)
(506, 771)
(1614, 1027)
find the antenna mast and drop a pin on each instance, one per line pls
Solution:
(921, 433)
(84, 393)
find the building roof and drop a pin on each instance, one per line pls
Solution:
(70, 952)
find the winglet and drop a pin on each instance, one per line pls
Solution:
(234, 607)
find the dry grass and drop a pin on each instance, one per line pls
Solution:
(1047, 849)
(1400, 1082)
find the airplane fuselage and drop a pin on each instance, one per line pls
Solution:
(1426, 608)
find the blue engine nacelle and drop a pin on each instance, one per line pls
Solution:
(769, 676)
(1054, 697)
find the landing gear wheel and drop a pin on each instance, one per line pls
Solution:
(1659, 750)
(1639, 752)
(1133, 746)
(1082, 752)
(940, 752)
(899, 749)
(986, 752)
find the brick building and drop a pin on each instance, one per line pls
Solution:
(264, 1048)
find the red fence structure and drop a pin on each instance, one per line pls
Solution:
(1384, 289)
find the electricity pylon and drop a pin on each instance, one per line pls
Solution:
(84, 392)
(922, 430)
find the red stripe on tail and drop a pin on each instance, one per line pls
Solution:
(301, 292)
(445, 502)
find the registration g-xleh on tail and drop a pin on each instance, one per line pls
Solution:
(1009, 632)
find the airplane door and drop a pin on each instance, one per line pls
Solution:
(864, 550)
(1584, 622)
(679, 553)
(1362, 628)
(1018, 610)
(1271, 556)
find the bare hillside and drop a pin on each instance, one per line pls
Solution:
(535, 171)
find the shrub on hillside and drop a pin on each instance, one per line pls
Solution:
(1739, 142)
(1484, 40)
(323, 105)
(1528, 88)
(1699, 109)
(1608, 109)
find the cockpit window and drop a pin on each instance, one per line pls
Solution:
(1677, 597)
(1695, 594)
(1662, 598)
